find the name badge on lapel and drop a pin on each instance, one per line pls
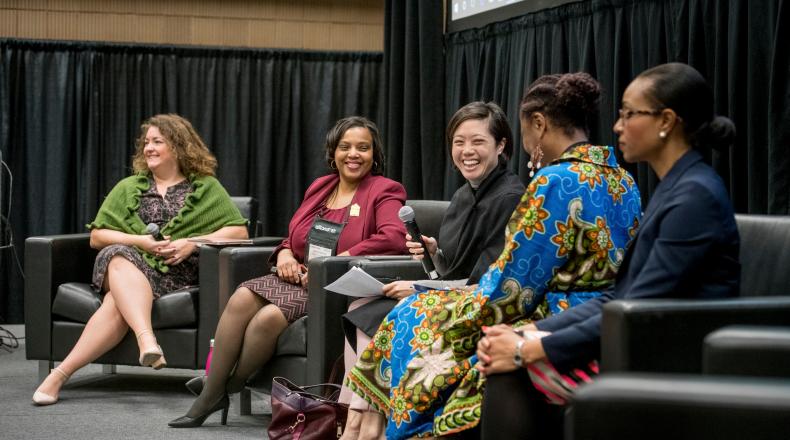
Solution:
(354, 211)
(322, 239)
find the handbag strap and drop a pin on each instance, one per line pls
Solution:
(331, 398)
(296, 389)
(338, 370)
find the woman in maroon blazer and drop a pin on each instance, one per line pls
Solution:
(353, 211)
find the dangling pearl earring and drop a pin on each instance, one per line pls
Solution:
(536, 165)
(662, 134)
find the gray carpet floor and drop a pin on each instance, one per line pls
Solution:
(135, 403)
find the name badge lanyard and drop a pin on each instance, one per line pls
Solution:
(324, 234)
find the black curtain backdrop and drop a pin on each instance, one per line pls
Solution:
(414, 69)
(740, 46)
(69, 111)
(69, 114)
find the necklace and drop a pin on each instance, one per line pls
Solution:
(336, 200)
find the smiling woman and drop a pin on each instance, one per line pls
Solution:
(352, 211)
(157, 152)
(359, 134)
(173, 188)
(563, 243)
(478, 134)
(475, 151)
(354, 154)
(470, 237)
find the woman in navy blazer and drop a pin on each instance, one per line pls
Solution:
(686, 247)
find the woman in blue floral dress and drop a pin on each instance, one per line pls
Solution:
(564, 243)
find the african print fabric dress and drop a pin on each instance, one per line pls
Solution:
(564, 244)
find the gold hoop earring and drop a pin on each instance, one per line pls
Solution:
(333, 165)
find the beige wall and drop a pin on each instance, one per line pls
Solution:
(296, 24)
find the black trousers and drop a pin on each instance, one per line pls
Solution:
(514, 409)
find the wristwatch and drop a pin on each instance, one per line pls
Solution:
(517, 359)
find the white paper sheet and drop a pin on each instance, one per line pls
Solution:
(356, 282)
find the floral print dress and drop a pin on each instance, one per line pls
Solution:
(158, 209)
(564, 244)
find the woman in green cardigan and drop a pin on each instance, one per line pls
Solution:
(173, 187)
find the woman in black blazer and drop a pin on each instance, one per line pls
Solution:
(686, 247)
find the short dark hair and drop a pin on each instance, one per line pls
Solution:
(335, 134)
(681, 88)
(497, 123)
(570, 100)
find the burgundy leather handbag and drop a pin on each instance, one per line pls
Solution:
(300, 415)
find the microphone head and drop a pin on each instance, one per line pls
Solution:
(152, 229)
(406, 213)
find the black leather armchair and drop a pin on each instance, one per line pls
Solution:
(307, 350)
(744, 393)
(667, 335)
(680, 407)
(249, 210)
(429, 215)
(59, 301)
(744, 388)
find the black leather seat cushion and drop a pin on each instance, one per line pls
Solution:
(78, 302)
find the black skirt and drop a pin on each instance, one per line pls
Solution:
(367, 318)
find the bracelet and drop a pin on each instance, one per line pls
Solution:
(517, 359)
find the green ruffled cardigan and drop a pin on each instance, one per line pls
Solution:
(206, 209)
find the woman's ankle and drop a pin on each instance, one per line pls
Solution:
(353, 425)
(54, 381)
(204, 402)
(146, 339)
(235, 384)
(373, 425)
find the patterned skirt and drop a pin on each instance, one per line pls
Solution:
(419, 368)
(178, 277)
(291, 299)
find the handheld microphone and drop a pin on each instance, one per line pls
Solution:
(406, 214)
(153, 230)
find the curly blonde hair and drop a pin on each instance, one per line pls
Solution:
(190, 151)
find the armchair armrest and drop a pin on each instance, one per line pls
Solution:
(653, 406)
(390, 269)
(324, 310)
(748, 351)
(221, 271)
(51, 261)
(667, 335)
(267, 241)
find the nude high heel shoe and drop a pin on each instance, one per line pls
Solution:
(153, 357)
(43, 399)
